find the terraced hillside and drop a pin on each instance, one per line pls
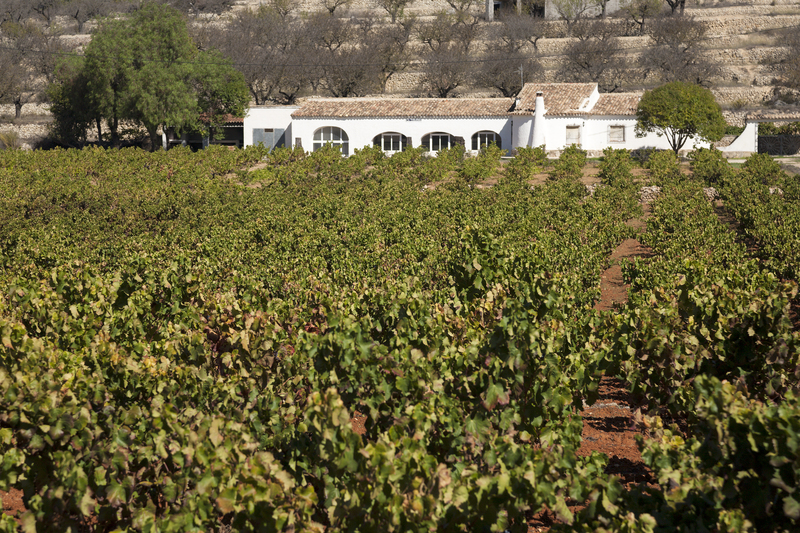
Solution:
(745, 41)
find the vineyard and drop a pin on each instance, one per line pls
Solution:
(187, 337)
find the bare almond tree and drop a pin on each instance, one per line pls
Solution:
(14, 76)
(394, 8)
(200, 7)
(640, 11)
(462, 7)
(47, 9)
(676, 53)
(506, 71)
(449, 29)
(571, 11)
(444, 69)
(350, 71)
(596, 56)
(333, 5)
(506, 64)
(270, 54)
(437, 32)
(82, 11)
(283, 8)
(792, 68)
(328, 32)
(445, 65)
(516, 30)
(343, 63)
(391, 47)
(676, 5)
(603, 5)
(14, 10)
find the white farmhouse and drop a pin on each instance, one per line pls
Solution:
(553, 115)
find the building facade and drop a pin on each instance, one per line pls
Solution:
(553, 115)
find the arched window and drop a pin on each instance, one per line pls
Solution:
(333, 135)
(433, 142)
(391, 142)
(485, 138)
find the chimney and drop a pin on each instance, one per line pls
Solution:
(539, 120)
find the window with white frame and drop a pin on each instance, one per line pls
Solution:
(433, 142)
(334, 136)
(485, 138)
(390, 142)
(616, 134)
(573, 135)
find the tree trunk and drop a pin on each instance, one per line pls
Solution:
(114, 126)
(155, 140)
(99, 129)
(683, 6)
(490, 10)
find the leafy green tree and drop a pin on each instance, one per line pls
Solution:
(146, 69)
(73, 118)
(680, 110)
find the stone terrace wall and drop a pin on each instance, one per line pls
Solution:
(27, 109)
(739, 25)
(29, 134)
(750, 8)
(418, 7)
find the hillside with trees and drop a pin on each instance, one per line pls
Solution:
(745, 52)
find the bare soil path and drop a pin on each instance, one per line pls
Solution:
(608, 425)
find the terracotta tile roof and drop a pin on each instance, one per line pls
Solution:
(559, 98)
(616, 104)
(403, 107)
(777, 115)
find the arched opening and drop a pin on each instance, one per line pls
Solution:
(390, 142)
(433, 142)
(332, 135)
(485, 138)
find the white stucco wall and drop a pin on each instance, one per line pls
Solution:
(361, 131)
(522, 128)
(514, 130)
(595, 134)
(746, 142)
(277, 117)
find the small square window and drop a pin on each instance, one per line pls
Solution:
(616, 134)
(573, 135)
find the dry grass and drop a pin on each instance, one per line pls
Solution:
(10, 140)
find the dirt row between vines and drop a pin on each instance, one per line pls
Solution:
(608, 425)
